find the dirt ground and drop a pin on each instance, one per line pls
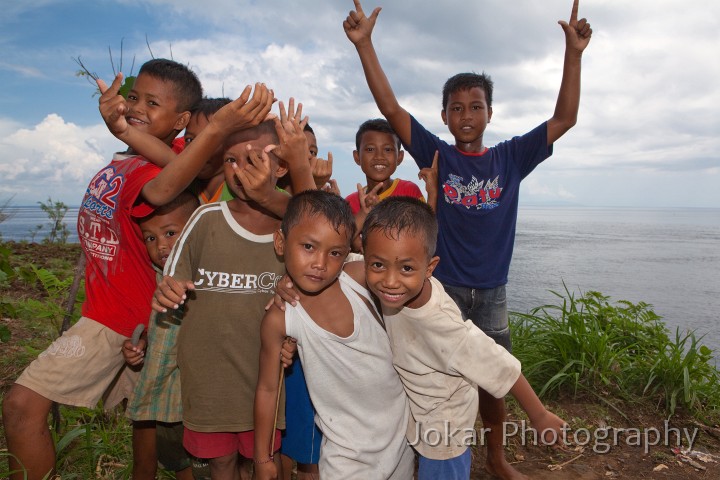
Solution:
(612, 439)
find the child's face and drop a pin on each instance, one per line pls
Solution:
(314, 253)
(396, 269)
(160, 233)
(214, 165)
(467, 114)
(312, 143)
(378, 156)
(238, 153)
(152, 108)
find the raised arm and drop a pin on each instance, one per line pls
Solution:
(113, 108)
(577, 37)
(245, 112)
(272, 335)
(358, 29)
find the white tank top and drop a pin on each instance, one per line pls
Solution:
(360, 403)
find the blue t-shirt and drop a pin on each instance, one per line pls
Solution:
(477, 203)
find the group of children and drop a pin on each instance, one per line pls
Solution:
(409, 340)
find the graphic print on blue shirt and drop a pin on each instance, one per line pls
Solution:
(483, 194)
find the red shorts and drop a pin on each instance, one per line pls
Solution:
(220, 444)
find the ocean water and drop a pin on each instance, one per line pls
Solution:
(669, 258)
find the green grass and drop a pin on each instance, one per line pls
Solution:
(582, 345)
(588, 345)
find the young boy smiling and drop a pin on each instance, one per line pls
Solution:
(441, 358)
(119, 276)
(360, 404)
(478, 186)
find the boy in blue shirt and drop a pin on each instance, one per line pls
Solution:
(477, 210)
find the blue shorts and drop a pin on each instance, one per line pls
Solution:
(301, 438)
(457, 468)
(487, 308)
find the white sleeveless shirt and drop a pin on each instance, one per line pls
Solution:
(360, 403)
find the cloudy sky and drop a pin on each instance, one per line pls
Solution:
(648, 133)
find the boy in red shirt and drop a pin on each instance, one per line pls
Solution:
(79, 367)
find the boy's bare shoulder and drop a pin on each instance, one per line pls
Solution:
(356, 271)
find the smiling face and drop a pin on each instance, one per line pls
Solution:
(378, 156)
(160, 232)
(467, 115)
(396, 269)
(314, 252)
(153, 108)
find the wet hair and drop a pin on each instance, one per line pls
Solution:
(188, 90)
(466, 81)
(319, 203)
(396, 216)
(186, 200)
(375, 125)
(208, 106)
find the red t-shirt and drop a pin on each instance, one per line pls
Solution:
(119, 278)
(399, 188)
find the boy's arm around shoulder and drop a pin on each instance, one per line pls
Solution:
(272, 335)
(577, 37)
(358, 29)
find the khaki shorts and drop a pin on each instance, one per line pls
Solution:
(81, 367)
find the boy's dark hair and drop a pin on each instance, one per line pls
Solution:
(188, 90)
(319, 203)
(466, 81)
(308, 128)
(375, 125)
(208, 106)
(247, 134)
(395, 216)
(185, 200)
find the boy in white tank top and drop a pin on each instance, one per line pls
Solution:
(360, 402)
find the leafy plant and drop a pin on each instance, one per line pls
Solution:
(586, 344)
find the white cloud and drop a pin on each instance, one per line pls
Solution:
(648, 103)
(51, 158)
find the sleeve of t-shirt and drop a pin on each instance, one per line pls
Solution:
(354, 200)
(424, 144)
(134, 184)
(529, 150)
(483, 362)
(410, 189)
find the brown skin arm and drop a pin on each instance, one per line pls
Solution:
(272, 336)
(577, 38)
(245, 112)
(113, 108)
(358, 29)
(541, 419)
(430, 177)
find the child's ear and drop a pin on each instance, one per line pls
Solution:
(356, 157)
(182, 120)
(431, 266)
(443, 115)
(489, 114)
(281, 170)
(279, 242)
(401, 155)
